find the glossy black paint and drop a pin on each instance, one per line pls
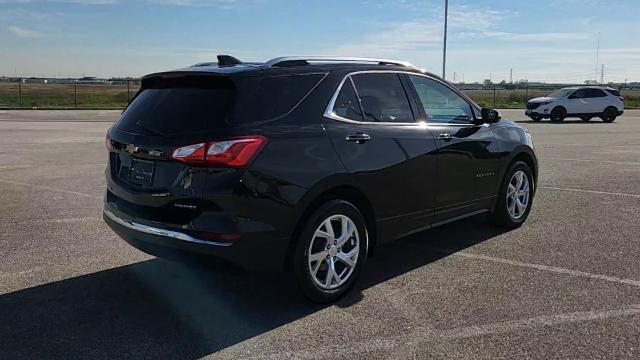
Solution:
(405, 178)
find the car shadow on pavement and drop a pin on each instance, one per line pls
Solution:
(159, 309)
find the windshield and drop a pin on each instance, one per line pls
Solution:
(561, 93)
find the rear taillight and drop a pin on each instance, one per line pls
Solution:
(621, 98)
(236, 152)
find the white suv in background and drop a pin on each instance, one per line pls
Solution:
(584, 102)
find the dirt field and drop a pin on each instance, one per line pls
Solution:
(64, 95)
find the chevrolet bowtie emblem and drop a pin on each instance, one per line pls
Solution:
(131, 149)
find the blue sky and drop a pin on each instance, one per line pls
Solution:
(550, 40)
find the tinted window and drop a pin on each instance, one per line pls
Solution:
(174, 106)
(593, 93)
(383, 98)
(280, 94)
(346, 104)
(440, 103)
(179, 107)
(579, 94)
(613, 92)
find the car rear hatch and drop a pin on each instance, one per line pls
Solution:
(171, 111)
(190, 133)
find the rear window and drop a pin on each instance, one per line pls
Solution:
(192, 104)
(613, 92)
(180, 106)
(278, 95)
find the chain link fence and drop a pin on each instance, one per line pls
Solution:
(66, 94)
(116, 94)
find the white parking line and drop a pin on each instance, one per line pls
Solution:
(53, 221)
(539, 321)
(589, 191)
(554, 269)
(16, 167)
(407, 343)
(593, 160)
(49, 188)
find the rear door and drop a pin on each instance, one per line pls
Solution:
(467, 161)
(597, 100)
(372, 125)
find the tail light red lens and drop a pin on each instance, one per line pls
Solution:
(235, 152)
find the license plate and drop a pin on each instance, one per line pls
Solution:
(141, 172)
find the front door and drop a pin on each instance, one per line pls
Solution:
(466, 157)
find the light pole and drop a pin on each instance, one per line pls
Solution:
(444, 48)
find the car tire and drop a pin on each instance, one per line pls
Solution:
(536, 118)
(609, 114)
(585, 118)
(507, 212)
(315, 241)
(558, 114)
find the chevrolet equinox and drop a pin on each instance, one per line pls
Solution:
(307, 164)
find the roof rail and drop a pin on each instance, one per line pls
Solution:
(306, 60)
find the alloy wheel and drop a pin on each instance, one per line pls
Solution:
(518, 195)
(333, 252)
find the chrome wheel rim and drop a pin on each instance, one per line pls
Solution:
(333, 252)
(518, 195)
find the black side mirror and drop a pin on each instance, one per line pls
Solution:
(490, 116)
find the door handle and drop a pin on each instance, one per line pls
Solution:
(444, 136)
(358, 138)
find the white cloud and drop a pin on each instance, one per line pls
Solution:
(550, 36)
(24, 32)
(400, 37)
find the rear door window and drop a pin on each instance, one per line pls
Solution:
(595, 93)
(347, 105)
(383, 97)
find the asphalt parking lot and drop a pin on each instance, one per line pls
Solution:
(565, 285)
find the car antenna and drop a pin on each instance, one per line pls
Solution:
(228, 60)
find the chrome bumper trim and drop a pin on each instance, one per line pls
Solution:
(161, 232)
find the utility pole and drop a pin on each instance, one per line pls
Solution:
(454, 77)
(602, 74)
(444, 48)
(597, 56)
(511, 76)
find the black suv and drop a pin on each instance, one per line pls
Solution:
(307, 164)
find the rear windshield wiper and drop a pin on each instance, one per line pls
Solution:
(141, 125)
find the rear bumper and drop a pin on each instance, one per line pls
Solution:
(251, 252)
